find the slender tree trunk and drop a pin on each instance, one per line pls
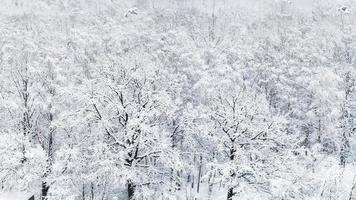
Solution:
(172, 180)
(178, 183)
(130, 190)
(45, 186)
(352, 189)
(192, 185)
(210, 191)
(44, 191)
(91, 191)
(199, 173)
(230, 193)
(210, 182)
(83, 192)
(104, 190)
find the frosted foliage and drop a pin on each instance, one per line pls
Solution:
(177, 99)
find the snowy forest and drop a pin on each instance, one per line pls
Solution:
(178, 100)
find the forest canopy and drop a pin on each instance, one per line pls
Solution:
(178, 99)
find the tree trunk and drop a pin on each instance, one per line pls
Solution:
(83, 192)
(91, 191)
(210, 191)
(199, 174)
(130, 190)
(178, 183)
(210, 182)
(44, 191)
(230, 193)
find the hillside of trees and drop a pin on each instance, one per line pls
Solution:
(178, 99)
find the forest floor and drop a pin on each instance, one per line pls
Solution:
(13, 196)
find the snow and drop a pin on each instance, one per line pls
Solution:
(14, 196)
(168, 96)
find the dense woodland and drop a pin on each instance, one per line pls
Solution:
(178, 99)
